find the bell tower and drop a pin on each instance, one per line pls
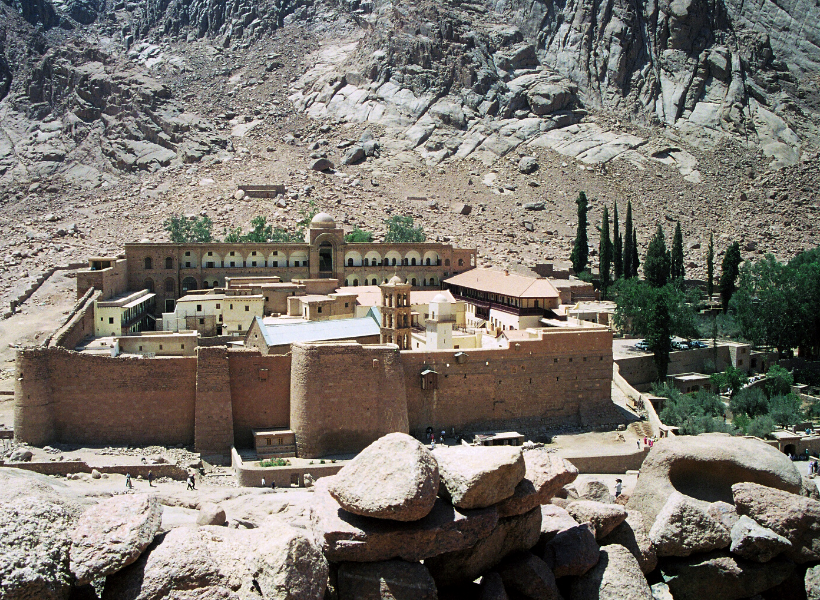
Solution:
(395, 311)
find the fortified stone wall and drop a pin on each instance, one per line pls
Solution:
(343, 396)
(562, 379)
(213, 428)
(110, 281)
(260, 393)
(641, 373)
(64, 396)
(79, 324)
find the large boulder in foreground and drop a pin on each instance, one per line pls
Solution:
(633, 534)
(388, 580)
(617, 576)
(573, 551)
(812, 582)
(113, 534)
(683, 528)
(528, 575)
(719, 575)
(796, 518)
(395, 478)
(754, 542)
(603, 518)
(220, 563)
(705, 467)
(479, 476)
(35, 527)
(545, 474)
(348, 537)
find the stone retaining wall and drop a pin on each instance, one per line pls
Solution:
(252, 475)
(75, 466)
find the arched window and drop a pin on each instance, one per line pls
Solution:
(148, 263)
(425, 282)
(188, 284)
(349, 262)
(428, 262)
(413, 282)
(374, 282)
(169, 286)
(355, 282)
(432, 281)
(169, 263)
(366, 262)
(413, 261)
(148, 284)
(394, 262)
(404, 261)
(446, 262)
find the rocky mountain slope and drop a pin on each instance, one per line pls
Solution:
(697, 111)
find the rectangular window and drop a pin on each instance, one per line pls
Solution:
(218, 306)
(202, 321)
(320, 309)
(266, 298)
(233, 254)
(247, 308)
(253, 253)
(346, 303)
(210, 253)
(209, 265)
(187, 254)
(275, 263)
(233, 264)
(110, 320)
(253, 263)
(182, 346)
(230, 307)
(160, 346)
(140, 348)
(239, 327)
(199, 308)
(187, 265)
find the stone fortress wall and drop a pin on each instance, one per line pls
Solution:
(337, 397)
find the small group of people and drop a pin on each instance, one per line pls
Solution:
(129, 485)
(272, 484)
(647, 441)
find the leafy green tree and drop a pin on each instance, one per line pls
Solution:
(233, 236)
(636, 263)
(605, 252)
(761, 426)
(710, 267)
(359, 236)
(677, 268)
(618, 242)
(183, 230)
(261, 232)
(730, 269)
(804, 270)
(779, 381)
(785, 410)
(580, 250)
(400, 229)
(742, 422)
(634, 299)
(283, 236)
(732, 378)
(693, 414)
(749, 401)
(628, 240)
(656, 263)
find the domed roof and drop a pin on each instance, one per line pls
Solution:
(440, 298)
(395, 280)
(322, 221)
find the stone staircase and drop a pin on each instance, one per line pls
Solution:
(642, 428)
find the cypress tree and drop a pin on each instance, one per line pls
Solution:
(617, 250)
(659, 332)
(629, 271)
(710, 267)
(656, 263)
(635, 260)
(605, 252)
(580, 251)
(677, 271)
(730, 271)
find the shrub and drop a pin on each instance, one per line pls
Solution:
(275, 462)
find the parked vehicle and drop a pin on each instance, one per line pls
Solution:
(642, 345)
(697, 344)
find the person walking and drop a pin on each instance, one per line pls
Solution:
(128, 484)
(618, 487)
(263, 483)
(150, 479)
(191, 482)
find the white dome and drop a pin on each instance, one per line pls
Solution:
(440, 298)
(322, 221)
(395, 280)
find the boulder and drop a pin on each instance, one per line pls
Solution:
(595, 489)
(510, 535)
(527, 165)
(387, 580)
(278, 561)
(354, 155)
(617, 576)
(633, 535)
(394, 478)
(794, 517)
(723, 512)
(753, 542)
(492, 587)
(21, 455)
(35, 526)
(813, 583)
(113, 534)
(554, 519)
(460, 208)
(545, 473)
(348, 537)
(479, 476)
(719, 575)
(321, 164)
(705, 467)
(546, 98)
(683, 528)
(528, 575)
(572, 551)
(534, 205)
(602, 517)
(211, 514)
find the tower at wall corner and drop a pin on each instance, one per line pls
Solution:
(34, 421)
(344, 396)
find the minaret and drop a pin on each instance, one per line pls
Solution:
(395, 311)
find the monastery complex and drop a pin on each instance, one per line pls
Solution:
(324, 345)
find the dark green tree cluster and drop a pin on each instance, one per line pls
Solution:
(263, 232)
(183, 230)
(730, 269)
(359, 236)
(400, 230)
(778, 305)
(702, 412)
(758, 410)
(617, 258)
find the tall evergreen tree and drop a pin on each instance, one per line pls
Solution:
(628, 239)
(730, 269)
(710, 266)
(656, 263)
(677, 270)
(605, 252)
(617, 241)
(659, 329)
(636, 262)
(580, 251)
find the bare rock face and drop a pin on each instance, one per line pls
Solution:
(476, 477)
(705, 467)
(573, 551)
(35, 526)
(719, 575)
(388, 580)
(617, 576)
(554, 519)
(394, 478)
(492, 587)
(526, 574)
(510, 535)
(348, 537)
(683, 528)
(545, 474)
(794, 517)
(113, 534)
(724, 512)
(217, 562)
(603, 518)
(812, 582)
(211, 514)
(633, 535)
(596, 490)
(753, 542)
